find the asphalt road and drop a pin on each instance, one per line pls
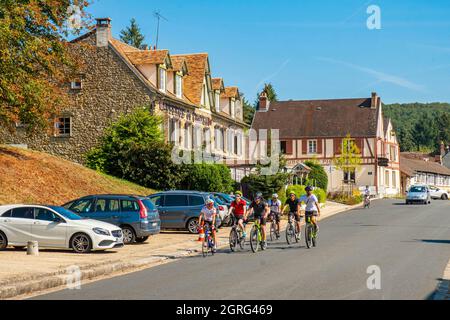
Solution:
(410, 245)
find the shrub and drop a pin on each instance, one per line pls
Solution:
(317, 175)
(300, 191)
(207, 178)
(267, 185)
(344, 198)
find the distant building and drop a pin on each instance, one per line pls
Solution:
(315, 129)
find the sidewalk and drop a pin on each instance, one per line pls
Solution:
(21, 274)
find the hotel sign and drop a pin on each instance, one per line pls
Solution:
(182, 113)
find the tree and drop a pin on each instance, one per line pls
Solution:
(443, 125)
(425, 133)
(317, 174)
(270, 92)
(249, 112)
(35, 60)
(132, 35)
(349, 159)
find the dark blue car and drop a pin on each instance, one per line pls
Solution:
(136, 215)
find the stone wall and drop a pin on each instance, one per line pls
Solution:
(110, 89)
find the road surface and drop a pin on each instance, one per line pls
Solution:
(409, 244)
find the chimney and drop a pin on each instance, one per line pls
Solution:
(374, 101)
(103, 32)
(264, 102)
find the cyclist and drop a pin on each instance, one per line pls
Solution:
(312, 206)
(275, 211)
(208, 217)
(239, 209)
(294, 208)
(367, 196)
(261, 210)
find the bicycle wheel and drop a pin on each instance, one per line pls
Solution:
(314, 240)
(241, 241)
(290, 234)
(211, 246)
(205, 247)
(233, 240)
(308, 235)
(297, 234)
(254, 239)
(273, 231)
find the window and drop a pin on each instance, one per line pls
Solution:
(162, 79)
(312, 146)
(178, 86)
(44, 215)
(7, 214)
(217, 101)
(387, 178)
(23, 213)
(349, 177)
(196, 201)
(63, 127)
(236, 146)
(233, 107)
(394, 180)
(129, 205)
(176, 200)
(173, 131)
(82, 206)
(107, 205)
(76, 85)
(157, 200)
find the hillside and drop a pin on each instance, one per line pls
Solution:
(34, 177)
(420, 126)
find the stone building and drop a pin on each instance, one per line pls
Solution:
(117, 78)
(315, 129)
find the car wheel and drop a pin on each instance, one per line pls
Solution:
(192, 225)
(141, 239)
(128, 235)
(81, 243)
(3, 241)
(444, 197)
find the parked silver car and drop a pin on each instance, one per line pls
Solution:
(418, 194)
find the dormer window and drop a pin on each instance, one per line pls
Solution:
(178, 86)
(162, 79)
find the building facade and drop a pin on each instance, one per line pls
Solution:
(315, 130)
(117, 78)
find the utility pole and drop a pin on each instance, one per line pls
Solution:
(158, 16)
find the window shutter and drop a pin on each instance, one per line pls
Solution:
(319, 146)
(289, 147)
(337, 146)
(305, 147)
(360, 144)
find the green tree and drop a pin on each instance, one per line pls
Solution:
(443, 125)
(35, 59)
(132, 35)
(249, 112)
(349, 159)
(425, 133)
(317, 175)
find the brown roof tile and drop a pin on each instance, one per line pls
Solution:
(148, 56)
(193, 82)
(178, 63)
(320, 118)
(230, 92)
(415, 165)
(217, 84)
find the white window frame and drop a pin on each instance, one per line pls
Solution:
(311, 149)
(74, 84)
(178, 86)
(217, 94)
(162, 74)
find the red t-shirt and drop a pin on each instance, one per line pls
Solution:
(239, 207)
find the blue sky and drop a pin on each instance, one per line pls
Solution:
(308, 49)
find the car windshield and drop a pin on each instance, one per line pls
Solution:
(417, 189)
(66, 213)
(149, 204)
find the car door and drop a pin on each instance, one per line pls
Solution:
(49, 229)
(106, 210)
(19, 225)
(174, 211)
(158, 201)
(129, 211)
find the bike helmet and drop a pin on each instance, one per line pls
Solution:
(275, 196)
(209, 201)
(292, 194)
(308, 188)
(238, 193)
(259, 195)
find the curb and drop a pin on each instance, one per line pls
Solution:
(26, 285)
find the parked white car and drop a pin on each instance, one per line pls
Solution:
(437, 193)
(55, 227)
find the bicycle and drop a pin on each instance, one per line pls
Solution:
(208, 244)
(236, 236)
(310, 233)
(292, 234)
(366, 202)
(256, 236)
(274, 234)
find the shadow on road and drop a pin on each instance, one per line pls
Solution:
(434, 241)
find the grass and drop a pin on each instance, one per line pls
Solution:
(31, 177)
